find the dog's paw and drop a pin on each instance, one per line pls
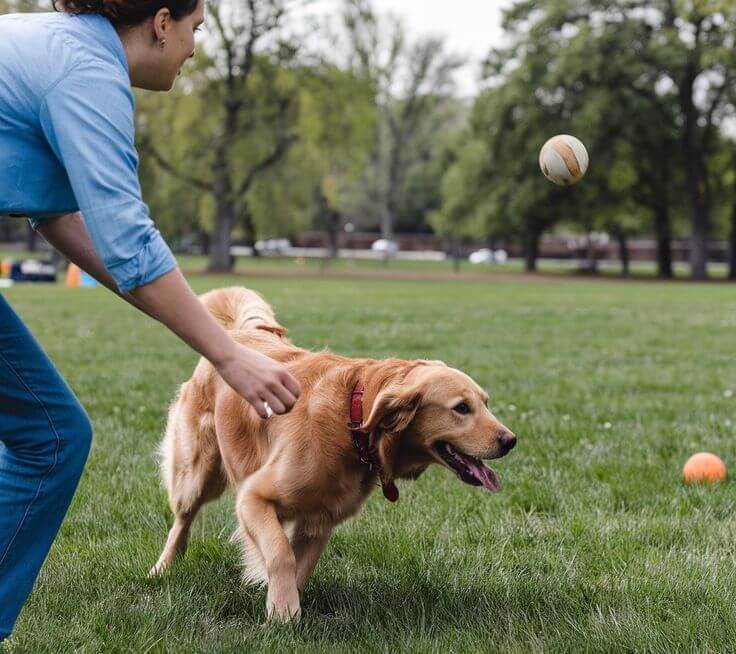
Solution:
(158, 569)
(283, 609)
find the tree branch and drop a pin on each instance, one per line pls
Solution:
(281, 148)
(168, 167)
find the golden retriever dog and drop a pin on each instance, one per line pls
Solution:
(357, 424)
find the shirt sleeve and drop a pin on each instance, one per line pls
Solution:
(87, 119)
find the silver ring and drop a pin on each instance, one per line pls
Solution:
(267, 409)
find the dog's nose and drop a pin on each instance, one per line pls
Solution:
(507, 440)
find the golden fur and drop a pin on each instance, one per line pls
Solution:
(298, 475)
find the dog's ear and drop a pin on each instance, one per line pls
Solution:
(274, 329)
(393, 410)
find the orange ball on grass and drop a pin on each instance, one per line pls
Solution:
(704, 467)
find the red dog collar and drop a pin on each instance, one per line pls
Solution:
(361, 440)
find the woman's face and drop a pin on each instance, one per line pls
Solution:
(167, 61)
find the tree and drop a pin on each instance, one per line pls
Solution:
(413, 82)
(494, 188)
(337, 121)
(13, 6)
(246, 87)
(684, 52)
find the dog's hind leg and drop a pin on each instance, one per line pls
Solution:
(192, 470)
(307, 551)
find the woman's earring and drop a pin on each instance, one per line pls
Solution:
(162, 43)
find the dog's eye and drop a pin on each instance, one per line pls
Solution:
(462, 408)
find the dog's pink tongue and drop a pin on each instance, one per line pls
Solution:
(484, 475)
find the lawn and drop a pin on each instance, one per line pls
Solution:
(594, 543)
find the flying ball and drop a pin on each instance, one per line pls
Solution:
(704, 467)
(563, 160)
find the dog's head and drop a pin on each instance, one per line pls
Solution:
(432, 413)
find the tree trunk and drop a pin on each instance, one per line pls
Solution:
(531, 250)
(220, 259)
(732, 245)
(387, 225)
(31, 238)
(591, 258)
(204, 241)
(387, 232)
(249, 228)
(623, 250)
(663, 231)
(224, 217)
(333, 232)
(328, 219)
(6, 230)
(221, 236)
(699, 241)
(393, 185)
(697, 179)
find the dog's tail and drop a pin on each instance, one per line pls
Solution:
(240, 308)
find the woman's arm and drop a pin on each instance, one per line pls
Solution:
(69, 236)
(170, 300)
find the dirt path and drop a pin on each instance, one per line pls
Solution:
(410, 275)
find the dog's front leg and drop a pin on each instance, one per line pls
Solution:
(258, 517)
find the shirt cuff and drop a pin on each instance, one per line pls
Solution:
(154, 260)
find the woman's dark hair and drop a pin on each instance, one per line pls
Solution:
(126, 12)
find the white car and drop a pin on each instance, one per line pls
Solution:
(273, 246)
(389, 248)
(486, 255)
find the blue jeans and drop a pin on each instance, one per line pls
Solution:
(45, 436)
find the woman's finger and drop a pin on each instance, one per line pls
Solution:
(290, 382)
(276, 405)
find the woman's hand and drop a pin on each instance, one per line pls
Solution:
(259, 379)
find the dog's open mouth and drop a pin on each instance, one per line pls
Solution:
(470, 470)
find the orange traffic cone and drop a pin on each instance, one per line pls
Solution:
(73, 276)
(6, 265)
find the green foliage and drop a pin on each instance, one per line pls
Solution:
(337, 122)
(179, 124)
(13, 6)
(376, 136)
(614, 76)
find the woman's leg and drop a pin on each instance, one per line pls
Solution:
(45, 437)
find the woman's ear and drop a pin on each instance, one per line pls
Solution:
(161, 24)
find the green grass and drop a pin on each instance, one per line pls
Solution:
(594, 544)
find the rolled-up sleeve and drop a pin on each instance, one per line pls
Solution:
(87, 119)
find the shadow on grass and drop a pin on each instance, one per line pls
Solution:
(339, 611)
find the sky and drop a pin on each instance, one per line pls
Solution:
(471, 27)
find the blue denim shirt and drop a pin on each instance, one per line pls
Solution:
(67, 138)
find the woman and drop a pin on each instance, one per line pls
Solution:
(68, 160)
